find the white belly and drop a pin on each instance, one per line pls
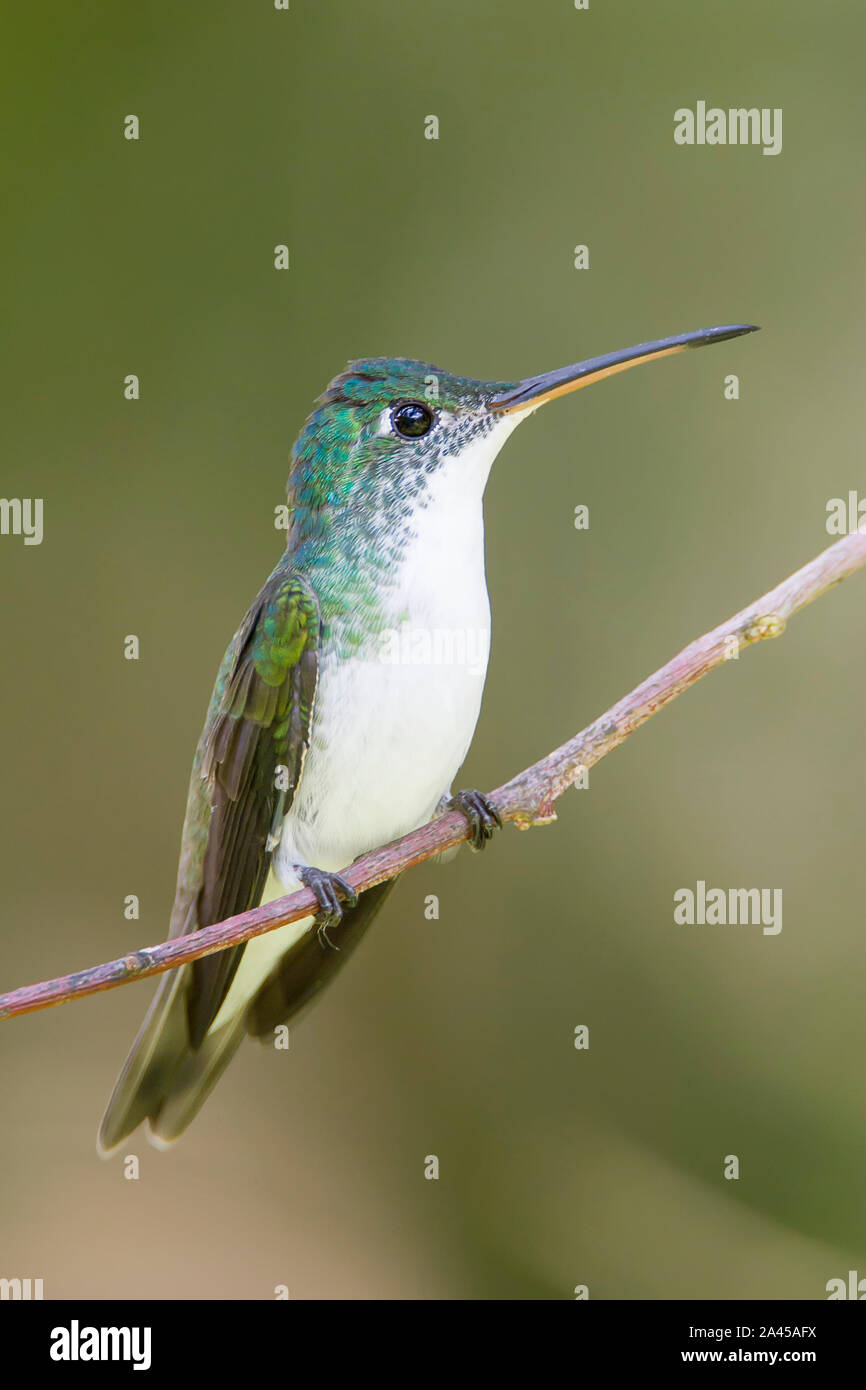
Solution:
(387, 741)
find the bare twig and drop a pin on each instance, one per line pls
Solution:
(527, 799)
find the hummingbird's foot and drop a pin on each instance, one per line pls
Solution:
(329, 890)
(483, 818)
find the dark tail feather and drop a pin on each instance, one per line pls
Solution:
(306, 967)
(165, 1081)
(139, 1088)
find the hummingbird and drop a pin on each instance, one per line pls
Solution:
(336, 724)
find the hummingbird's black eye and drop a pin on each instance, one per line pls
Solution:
(411, 419)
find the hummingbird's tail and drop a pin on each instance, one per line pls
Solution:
(163, 1080)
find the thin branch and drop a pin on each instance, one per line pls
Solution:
(527, 799)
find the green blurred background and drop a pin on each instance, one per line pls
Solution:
(453, 1037)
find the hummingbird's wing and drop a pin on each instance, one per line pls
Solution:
(250, 759)
(258, 726)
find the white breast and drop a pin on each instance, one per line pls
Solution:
(391, 728)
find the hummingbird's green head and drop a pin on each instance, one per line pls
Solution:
(397, 454)
(382, 428)
(387, 426)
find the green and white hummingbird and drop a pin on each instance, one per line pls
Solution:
(326, 736)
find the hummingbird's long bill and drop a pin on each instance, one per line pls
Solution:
(535, 390)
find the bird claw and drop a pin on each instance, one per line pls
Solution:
(483, 817)
(332, 893)
(322, 935)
